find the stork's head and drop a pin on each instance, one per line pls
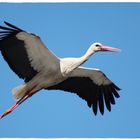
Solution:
(96, 47)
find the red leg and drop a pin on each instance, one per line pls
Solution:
(27, 95)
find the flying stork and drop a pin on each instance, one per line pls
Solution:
(40, 69)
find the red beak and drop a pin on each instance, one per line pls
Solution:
(111, 49)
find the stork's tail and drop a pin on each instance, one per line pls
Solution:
(19, 91)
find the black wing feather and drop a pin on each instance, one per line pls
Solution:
(111, 97)
(14, 52)
(107, 99)
(96, 96)
(5, 28)
(114, 91)
(12, 26)
(101, 101)
(4, 32)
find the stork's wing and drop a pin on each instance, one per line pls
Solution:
(22, 51)
(91, 85)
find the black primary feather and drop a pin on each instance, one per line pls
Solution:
(12, 26)
(96, 96)
(14, 52)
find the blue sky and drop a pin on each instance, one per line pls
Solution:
(68, 29)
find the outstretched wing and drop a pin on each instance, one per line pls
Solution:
(24, 52)
(91, 85)
(14, 52)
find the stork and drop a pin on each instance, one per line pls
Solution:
(40, 69)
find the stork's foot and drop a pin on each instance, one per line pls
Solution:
(14, 106)
(9, 111)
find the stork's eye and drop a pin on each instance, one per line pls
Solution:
(97, 45)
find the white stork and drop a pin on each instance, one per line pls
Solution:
(28, 57)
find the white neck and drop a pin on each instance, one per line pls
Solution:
(86, 56)
(67, 65)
